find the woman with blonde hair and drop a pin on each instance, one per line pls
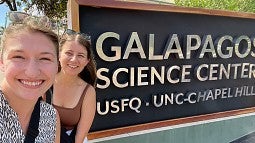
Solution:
(29, 62)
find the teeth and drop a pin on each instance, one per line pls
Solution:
(30, 83)
(72, 66)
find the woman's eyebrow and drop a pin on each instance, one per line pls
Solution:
(16, 51)
(48, 53)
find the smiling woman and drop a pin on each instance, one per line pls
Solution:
(73, 90)
(29, 62)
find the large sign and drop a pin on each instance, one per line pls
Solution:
(159, 65)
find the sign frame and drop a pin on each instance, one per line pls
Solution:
(74, 23)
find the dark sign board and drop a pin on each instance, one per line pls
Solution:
(159, 65)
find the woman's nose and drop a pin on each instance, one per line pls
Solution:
(32, 69)
(73, 58)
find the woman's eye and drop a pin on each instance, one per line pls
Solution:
(68, 53)
(18, 57)
(45, 59)
(82, 56)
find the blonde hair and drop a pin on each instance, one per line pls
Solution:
(30, 24)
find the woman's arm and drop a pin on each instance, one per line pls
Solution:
(87, 115)
(57, 139)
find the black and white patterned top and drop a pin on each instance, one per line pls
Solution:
(10, 128)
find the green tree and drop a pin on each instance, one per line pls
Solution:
(50, 8)
(54, 9)
(232, 5)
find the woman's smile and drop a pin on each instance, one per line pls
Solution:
(29, 83)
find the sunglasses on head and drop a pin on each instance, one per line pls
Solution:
(21, 17)
(72, 32)
(17, 17)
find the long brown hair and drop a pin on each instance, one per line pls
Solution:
(88, 74)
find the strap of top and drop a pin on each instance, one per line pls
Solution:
(49, 95)
(67, 121)
(33, 131)
(83, 94)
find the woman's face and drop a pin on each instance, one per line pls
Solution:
(73, 58)
(29, 64)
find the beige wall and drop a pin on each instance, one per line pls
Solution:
(1, 76)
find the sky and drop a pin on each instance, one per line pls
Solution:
(3, 10)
